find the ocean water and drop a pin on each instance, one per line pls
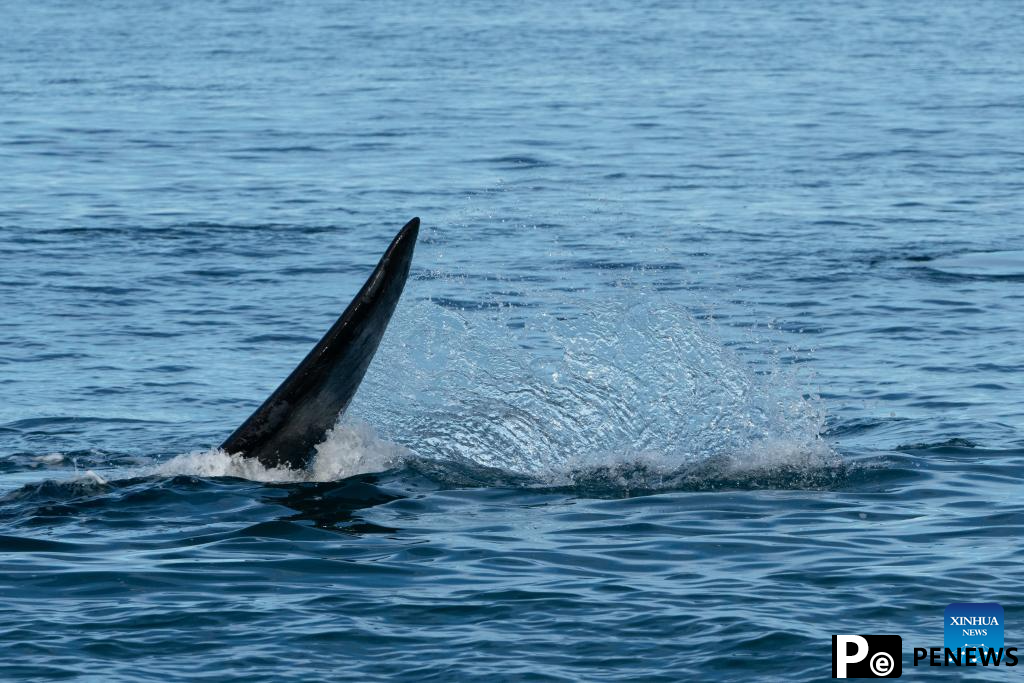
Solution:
(711, 348)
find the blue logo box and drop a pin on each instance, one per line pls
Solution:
(973, 624)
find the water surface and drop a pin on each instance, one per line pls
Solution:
(711, 347)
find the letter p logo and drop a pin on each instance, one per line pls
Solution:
(867, 656)
(841, 653)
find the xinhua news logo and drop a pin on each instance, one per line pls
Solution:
(974, 627)
(867, 656)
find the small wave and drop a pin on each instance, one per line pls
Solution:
(53, 490)
(35, 423)
(518, 162)
(993, 265)
(955, 443)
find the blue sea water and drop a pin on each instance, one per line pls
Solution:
(711, 349)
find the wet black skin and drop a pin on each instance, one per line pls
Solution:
(297, 416)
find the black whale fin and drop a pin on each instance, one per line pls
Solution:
(284, 430)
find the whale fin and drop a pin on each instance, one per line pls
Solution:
(297, 416)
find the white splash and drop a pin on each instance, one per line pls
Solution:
(636, 380)
(350, 448)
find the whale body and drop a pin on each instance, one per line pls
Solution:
(297, 416)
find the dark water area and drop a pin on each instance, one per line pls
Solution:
(711, 347)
